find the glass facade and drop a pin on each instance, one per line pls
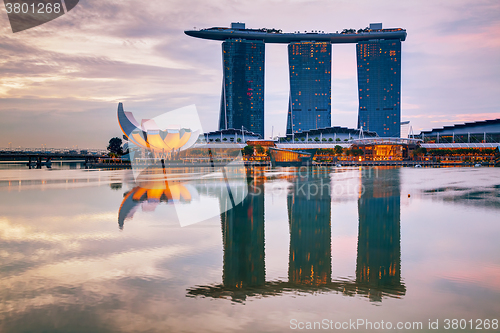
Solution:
(379, 86)
(310, 66)
(242, 101)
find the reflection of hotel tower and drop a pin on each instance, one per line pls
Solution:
(243, 239)
(310, 234)
(378, 273)
(378, 265)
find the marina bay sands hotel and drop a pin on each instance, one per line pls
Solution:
(310, 61)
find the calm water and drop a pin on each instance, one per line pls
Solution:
(93, 251)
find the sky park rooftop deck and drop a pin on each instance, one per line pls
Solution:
(238, 31)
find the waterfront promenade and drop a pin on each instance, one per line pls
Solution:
(118, 164)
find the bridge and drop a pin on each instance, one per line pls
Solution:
(36, 156)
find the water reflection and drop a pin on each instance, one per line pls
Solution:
(378, 267)
(378, 264)
(243, 240)
(193, 196)
(67, 267)
(148, 199)
(309, 210)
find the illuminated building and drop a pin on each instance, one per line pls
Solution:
(286, 157)
(379, 86)
(385, 149)
(148, 136)
(310, 66)
(242, 101)
(309, 105)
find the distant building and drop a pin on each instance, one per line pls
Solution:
(474, 132)
(334, 133)
(405, 129)
(379, 86)
(242, 100)
(230, 135)
(310, 66)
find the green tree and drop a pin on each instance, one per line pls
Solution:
(115, 146)
(357, 152)
(338, 150)
(337, 139)
(247, 150)
(260, 150)
(419, 152)
(330, 140)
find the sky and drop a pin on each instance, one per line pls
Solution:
(61, 82)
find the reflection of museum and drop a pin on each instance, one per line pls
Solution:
(378, 264)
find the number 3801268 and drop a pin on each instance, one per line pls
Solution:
(39, 8)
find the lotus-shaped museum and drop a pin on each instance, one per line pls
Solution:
(162, 142)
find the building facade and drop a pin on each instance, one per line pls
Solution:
(334, 133)
(309, 53)
(309, 105)
(242, 99)
(379, 86)
(486, 131)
